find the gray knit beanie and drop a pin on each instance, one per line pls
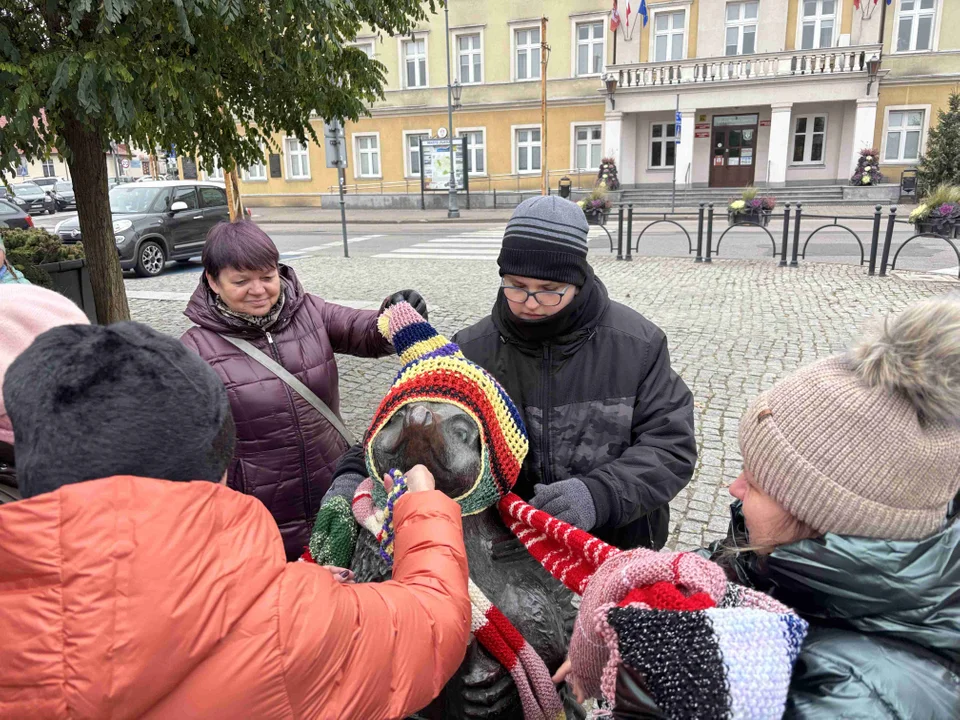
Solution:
(91, 401)
(546, 239)
(867, 443)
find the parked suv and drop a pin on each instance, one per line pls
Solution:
(63, 193)
(157, 222)
(32, 199)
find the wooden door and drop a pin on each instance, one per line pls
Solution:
(733, 156)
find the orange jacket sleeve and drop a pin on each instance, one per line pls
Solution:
(380, 650)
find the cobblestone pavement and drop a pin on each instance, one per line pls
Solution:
(734, 327)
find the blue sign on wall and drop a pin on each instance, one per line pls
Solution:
(677, 129)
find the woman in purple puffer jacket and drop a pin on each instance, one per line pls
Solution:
(286, 450)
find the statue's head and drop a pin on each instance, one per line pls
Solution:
(446, 413)
(441, 436)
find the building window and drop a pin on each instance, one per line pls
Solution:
(528, 53)
(809, 138)
(587, 147)
(256, 172)
(217, 172)
(413, 153)
(819, 18)
(904, 130)
(415, 61)
(298, 159)
(368, 156)
(915, 25)
(668, 35)
(476, 151)
(742, 28)
(663, 145)
(48, 169)
(367, 47)
(469, 59)
(528, 150)
(590, 48)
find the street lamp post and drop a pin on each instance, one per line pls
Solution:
(453, 210)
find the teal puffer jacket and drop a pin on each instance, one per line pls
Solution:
(884, 639)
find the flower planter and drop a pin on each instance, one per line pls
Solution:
(761, 218)
(598, 218)
(71, 279)
(950, 228)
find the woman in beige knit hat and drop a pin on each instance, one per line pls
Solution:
(847, 511)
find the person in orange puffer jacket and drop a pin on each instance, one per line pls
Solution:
(128, 591)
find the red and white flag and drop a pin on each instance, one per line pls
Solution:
(627, 19)
(614, 17)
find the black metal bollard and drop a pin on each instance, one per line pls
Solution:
(700, 234)
(629, 232)
(620, 233)
(708, 259)
(796, 237)
(875, 240)
(786, 235)
(888, 241)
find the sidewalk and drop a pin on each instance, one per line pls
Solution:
(325, 216)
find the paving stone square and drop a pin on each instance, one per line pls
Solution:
(734, 328)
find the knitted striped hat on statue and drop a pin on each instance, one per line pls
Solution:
(436, 371)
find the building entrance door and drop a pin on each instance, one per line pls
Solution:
(734, 153)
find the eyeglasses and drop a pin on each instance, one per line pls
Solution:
(547, 298)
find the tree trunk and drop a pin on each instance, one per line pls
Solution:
(88, 167)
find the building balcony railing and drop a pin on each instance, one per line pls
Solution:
(739, 68)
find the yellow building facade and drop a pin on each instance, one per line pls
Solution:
(769, 92)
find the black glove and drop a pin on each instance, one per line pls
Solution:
(410, 296)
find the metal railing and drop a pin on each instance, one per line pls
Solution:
(500, 182)
(794, 239)
(830, 61)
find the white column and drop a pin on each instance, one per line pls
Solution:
(684, 150)
(779, 151)
(612, 138)
(863, 129)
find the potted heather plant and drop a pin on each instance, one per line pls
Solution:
(607, 175)
(868, 170)
(751, 208)
(596, 205)
(939, 213)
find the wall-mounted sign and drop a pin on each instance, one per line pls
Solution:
(442, 133)
(701, 126)
(733, 120)
(764, 123)
(701, 118)
(435, 159)
(701, 133)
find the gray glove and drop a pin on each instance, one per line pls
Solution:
(568, 500)
(344, 486)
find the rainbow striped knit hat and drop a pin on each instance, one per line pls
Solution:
(435, 370)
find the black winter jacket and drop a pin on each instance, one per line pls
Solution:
(601, 404)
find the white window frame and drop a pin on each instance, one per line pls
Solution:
(363, 43)
(741, 24)
(402, 43)
(287, 166)
(455, 49)
(575, 43)
(52, 167)
(668, 10)
(837, 20)
(515, 148)
(355, 141)
(483, 148)
(808, 145)
(260, 177)
(924, 131)
(515, 49)
(407, 164)
(574, 127)
(935, 31)
(662, 141)
(217, 172)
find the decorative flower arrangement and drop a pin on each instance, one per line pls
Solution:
(750, 203)
(868, 168)
(607, 175)
(596, 203)
(940, 211)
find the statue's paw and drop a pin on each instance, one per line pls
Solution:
(499, 700)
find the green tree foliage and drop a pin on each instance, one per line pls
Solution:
(940, 165)
(216, 78)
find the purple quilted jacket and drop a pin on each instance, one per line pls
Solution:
(286, 450)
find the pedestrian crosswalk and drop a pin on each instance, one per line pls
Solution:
(474, 245)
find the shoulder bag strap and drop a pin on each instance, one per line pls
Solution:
(298, 387)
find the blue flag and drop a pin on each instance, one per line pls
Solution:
(643, 11)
